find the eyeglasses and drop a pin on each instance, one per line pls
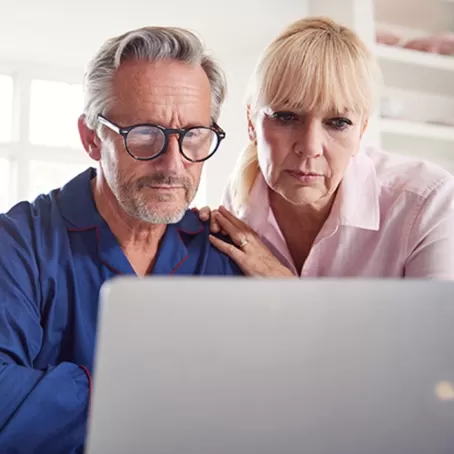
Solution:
(145, 142)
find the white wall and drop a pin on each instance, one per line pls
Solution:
(64, 34)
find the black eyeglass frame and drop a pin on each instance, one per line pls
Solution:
(220, 133)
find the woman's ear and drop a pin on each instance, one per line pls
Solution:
(250, 126)
(89, 139)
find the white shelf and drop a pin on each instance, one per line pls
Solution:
(416, 130)
(415, 57)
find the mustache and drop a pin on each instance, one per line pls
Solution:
(164, 179)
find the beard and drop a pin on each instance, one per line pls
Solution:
(140, 200)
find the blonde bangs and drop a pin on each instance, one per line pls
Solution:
(316, 70)
(315, 65)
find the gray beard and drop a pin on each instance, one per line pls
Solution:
(134, 202)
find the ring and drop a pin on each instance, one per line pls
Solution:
(243, 243)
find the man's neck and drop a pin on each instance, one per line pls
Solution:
(139, 240)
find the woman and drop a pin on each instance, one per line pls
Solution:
(306, 198)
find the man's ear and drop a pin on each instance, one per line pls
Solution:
(89, 139)
(250, 126)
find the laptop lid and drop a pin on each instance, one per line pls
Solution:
(251, 366)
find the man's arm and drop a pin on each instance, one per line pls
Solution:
(40, 410)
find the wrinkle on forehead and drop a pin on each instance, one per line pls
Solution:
(161, 91)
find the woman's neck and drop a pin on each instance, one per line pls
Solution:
(299, 224)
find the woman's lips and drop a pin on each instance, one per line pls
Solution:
(305, 177)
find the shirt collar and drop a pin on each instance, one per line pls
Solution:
(76, 203)
(78, 209)
(356, 205)
(77, 206)
(357, 202)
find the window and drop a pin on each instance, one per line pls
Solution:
(38, 133)
(6, 108)
(44, 176)
(45, 151)
(5, 170)
(54, 110)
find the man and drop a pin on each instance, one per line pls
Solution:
(152, 100)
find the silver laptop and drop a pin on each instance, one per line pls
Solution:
(246, 366)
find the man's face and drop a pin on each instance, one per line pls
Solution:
(169, 94)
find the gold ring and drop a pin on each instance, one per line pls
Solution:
(243, 243)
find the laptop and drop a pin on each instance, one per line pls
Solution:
(268, 366)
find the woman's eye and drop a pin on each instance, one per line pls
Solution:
(339, 123)
(284, 117)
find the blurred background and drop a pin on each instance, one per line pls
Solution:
(45, 45)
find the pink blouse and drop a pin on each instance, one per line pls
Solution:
(392, 217)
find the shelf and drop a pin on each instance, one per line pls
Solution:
(416, 130)
(415, 57)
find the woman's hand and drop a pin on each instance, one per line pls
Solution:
(248, 251)
(205, 215)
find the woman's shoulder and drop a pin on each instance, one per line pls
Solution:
(404, 174)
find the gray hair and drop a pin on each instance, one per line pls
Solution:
(150, 44)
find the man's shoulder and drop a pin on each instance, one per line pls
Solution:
(28, 225)
(22, 248)
(29, 215)
(216, 262)
(191, 224)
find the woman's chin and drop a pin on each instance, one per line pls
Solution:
(302, 196)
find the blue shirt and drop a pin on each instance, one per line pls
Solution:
(54, 256)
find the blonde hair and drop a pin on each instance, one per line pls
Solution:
(315, 64)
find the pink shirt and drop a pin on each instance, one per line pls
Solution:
(392, 217)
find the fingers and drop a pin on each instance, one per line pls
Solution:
(204, 213)
(228, 249)
(237, 255)
(232, 218)
(222, 221)
(236, 234)
(214, 224)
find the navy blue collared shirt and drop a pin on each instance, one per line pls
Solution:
(55, 254)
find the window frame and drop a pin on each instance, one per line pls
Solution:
(20, 151)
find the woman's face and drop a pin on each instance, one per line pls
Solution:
(303, 156)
